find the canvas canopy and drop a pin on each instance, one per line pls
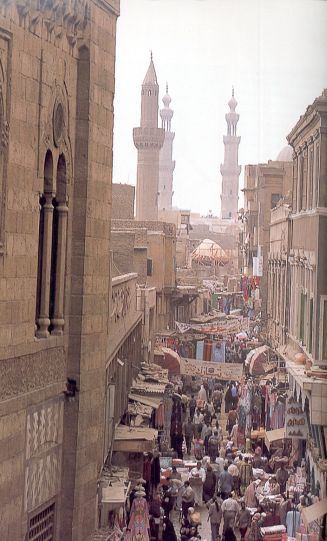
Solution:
(257, 359)
(171, 361)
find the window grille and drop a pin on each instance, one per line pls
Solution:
(41, 525)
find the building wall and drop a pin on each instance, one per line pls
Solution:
(122, 245)
(308, 297)
(123, 196)
(57, 98)
(278, 270)
(264, 185)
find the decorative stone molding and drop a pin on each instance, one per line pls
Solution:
(5, 107)
(57, 17)
(56, 130)
(121, 302)
(44, 434)
(28, 373)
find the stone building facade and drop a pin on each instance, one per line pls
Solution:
(159, 253)
(278, 270)
(264, 186)
(123, 197)
(297, 285)
(56, 121)
(148, 139)
(308, 252)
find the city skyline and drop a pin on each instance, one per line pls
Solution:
(201, 61)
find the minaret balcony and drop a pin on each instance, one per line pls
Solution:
(148, 138)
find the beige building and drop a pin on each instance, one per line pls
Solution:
(297, 285)
(155, 247)
(264, 186)
(308, 252)
(278, 271)
(148, 139)
(56, 113)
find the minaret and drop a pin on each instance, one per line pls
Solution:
(148, 139)
(166, 162)
(230, 170)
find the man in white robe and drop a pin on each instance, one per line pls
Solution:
(197, 477)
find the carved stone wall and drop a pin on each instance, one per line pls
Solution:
(31, 372)
(5, 73)
(53, 20)
(44, 432)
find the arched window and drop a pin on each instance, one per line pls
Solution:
(44, 250)
(52, 250)
(58, 255)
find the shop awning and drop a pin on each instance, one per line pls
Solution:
(151, 401)
(274, 435)
(134, 440)
(314, 512)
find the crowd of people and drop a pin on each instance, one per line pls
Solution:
(242, 489)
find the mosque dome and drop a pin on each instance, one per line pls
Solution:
(285, 155)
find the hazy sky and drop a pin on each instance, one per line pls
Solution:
(272, 51)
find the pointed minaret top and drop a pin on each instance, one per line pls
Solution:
(151, 76)
(232, 102)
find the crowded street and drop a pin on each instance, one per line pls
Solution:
(229, 462)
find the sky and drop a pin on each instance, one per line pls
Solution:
(272, 51)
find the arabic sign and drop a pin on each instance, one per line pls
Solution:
(295, 420)
(224, 371)
(224, 327)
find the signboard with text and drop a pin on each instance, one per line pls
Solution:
(295, 420)
(224, 371)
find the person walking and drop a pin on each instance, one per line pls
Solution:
(167, 501)
(234, 392)
(246, 475)
(231, 420)
(209, 485)
(230, 509)
(225, 483)
(213, 443)
(188, 498)
(282, 477)
(192, 406)
(168, 531)
(198, 422)
(243, 519)
(197, 477)
(228, 398)
(215, 516)
(188, 431)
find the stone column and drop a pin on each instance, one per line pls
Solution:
(43, 320)
(58, 317)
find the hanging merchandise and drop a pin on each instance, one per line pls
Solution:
(199, 350)
(207, 350)
(218, 352)
(139, 523)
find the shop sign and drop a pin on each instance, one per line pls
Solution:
(295, 420)
(258, 265)
(205, 369)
